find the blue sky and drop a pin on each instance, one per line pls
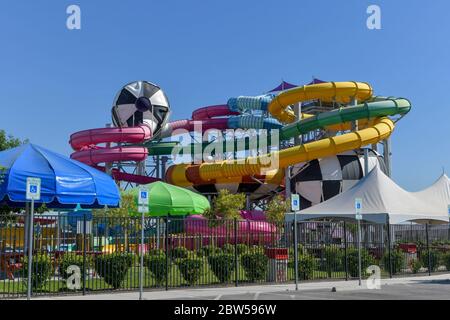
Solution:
(54, 81)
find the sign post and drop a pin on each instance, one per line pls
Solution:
(143, 209)
(295, 206)
(358, 209)
(33, 193)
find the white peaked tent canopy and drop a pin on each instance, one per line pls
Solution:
(382, 198)
(438, 192)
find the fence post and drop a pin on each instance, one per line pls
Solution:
(84, 254)
(236, 261)
(30, 251)
(428, 249)
(295, 251)
(345, 251)
(389, 248)
(166, 234)
(448, 232)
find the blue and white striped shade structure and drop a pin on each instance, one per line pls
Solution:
(64, 182)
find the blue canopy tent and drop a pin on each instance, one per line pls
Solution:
(64, 182)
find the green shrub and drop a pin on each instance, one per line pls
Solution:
(300, 250)
(255, 265)
(156, 263)
(114, 267)
(306, 266)
(256, 249)
(222, 265)
(41, 270)
(435, 259)
(397, 260)
(352, 256)
(179, 253)
(156, 252)
(415, 265)
(446, 260)
(190, 268)
(241, 248)
(228, 248)
(334, 259)
(209, 250)
(71, 259)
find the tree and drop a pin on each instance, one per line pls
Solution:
(276, 209)
(121, 216)
(7, 142)
(226, 206)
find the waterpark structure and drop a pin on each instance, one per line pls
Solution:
(321, 126)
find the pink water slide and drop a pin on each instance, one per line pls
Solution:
(87, 149)
(207, 117)
(247, 231)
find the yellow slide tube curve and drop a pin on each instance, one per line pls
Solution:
(343, 92)
(381, 130)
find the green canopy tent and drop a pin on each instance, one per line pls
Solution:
(166, 199)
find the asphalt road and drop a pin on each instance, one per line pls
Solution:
(421, 290)
(436, 287)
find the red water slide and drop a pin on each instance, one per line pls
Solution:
(204, 116)
(87, 149)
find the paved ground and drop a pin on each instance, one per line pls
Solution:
(434, 287)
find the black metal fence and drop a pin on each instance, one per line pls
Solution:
(84, 254)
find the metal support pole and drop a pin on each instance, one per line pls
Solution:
(355, 123)
(30, 249)
(236, 260)
(428, 249)
(158, 167)
(58, 231)
(366, 161)
(164, 160)
(387, 153)
(295, 251)
(167, 251)
(141, 262)
(298, 115)
(141, 168)
(359, 253)
(345, 251)
(287, 179)
(84, 254)
(389, 248)
(26, 226)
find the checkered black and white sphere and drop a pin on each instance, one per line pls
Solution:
(319, 180)
(139, 103)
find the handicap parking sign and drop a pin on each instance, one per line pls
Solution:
(295, 202)
(143, 196)
(358, 208)
(33, 191)
(143, 200)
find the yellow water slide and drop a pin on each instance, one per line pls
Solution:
(375, 130)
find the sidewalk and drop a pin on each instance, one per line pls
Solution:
(250, 291)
